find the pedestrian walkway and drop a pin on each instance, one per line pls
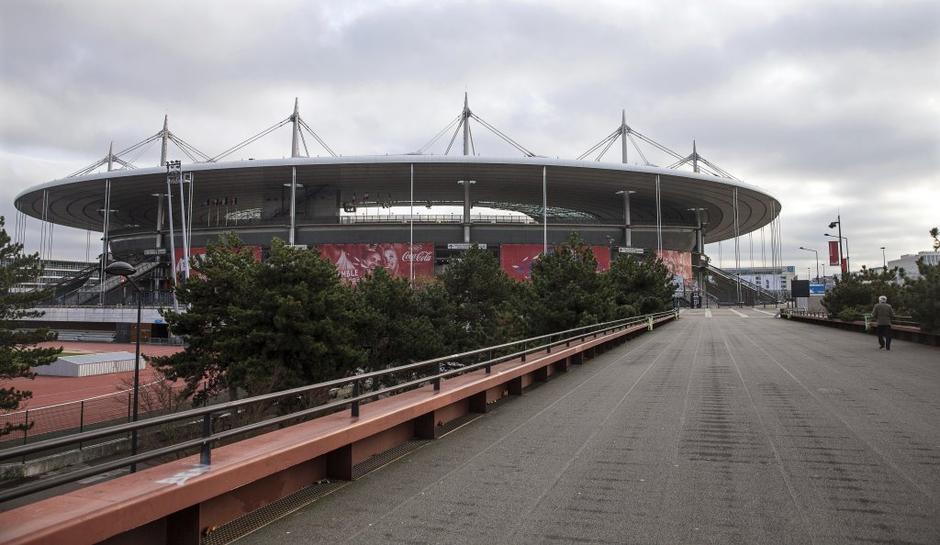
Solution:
(715, 429)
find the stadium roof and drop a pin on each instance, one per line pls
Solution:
(578, 188)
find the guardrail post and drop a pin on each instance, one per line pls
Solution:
(867, 321)
(81, 420)
(523, 351)
(25, 429)
(548, 349)
(649, 322)
(205, 452)
(355, 404)
(437, 380)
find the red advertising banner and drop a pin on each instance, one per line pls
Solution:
(845, 265)
(356, 261)
(517, 259)
(602, 255)
(833, 253)
(201, 250)
(679, 264)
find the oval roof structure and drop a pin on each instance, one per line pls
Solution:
(577, 191)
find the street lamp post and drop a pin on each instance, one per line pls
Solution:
(884, 260)
(121, 268)
(832, 225)
(817, 259)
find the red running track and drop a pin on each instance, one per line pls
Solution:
(47, 411)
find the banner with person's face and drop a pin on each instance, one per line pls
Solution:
(356, 261)
(679, 264)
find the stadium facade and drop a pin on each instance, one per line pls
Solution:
(400, 211)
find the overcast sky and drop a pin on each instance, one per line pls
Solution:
(829, 106)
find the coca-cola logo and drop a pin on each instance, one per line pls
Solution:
(421, 256)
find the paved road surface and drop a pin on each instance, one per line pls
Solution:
(719, 428)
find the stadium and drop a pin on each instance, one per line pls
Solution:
(408, 213)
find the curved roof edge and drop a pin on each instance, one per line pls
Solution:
(398, 159)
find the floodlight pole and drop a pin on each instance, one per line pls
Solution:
(104, 239)
(169, 198)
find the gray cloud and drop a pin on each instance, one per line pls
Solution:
(831, 106)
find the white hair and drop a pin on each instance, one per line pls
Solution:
(882, 299)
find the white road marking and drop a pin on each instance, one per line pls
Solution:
(708, 313)
(764, 312)
(741, 314)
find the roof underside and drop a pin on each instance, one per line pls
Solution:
(577, 190)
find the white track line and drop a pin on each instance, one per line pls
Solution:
(741, 314)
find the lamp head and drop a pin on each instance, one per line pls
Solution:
(120, 268)
(833, 224)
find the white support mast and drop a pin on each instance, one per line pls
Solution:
(623, 135)
(164, 138)
(465, 119)
(295, 129)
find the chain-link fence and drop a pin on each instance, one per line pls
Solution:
(73, 416)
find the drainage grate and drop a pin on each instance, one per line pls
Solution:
(383, 458)
(260, 518)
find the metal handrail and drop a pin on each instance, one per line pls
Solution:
(900, 320)
(353, 402)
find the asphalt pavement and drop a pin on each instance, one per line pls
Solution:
(728, 426)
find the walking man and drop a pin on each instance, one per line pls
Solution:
(882, 314)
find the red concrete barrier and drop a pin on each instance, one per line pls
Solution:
(180, 502)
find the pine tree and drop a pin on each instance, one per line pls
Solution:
(253, 328)
(639, 285)
(18, 351)
(566, 290)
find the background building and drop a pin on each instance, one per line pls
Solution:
(909, 262)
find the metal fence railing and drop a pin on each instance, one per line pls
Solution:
(901, 320)
(77, 416)
(199, 429)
